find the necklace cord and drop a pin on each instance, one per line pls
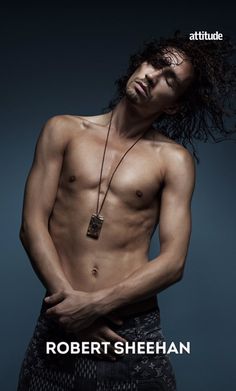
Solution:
(108, 186)
(100, 179)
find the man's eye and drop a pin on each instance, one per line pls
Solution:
(153, 63)
(169, 82)
(157, 63)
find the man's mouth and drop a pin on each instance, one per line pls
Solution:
(143, 86)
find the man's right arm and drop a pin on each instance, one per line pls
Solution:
(39, 197)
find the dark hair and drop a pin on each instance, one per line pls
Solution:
(207, 103)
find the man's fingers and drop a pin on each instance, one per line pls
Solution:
(109, 355)
(55, 298)
(113, 336)
(55, 310)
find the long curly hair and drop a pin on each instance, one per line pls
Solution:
(207, 105)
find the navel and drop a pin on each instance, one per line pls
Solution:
(139, 193)
(72, 178)
(94, 271)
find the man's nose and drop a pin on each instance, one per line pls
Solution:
(152, 77)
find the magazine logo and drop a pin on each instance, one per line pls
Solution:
(204, 35)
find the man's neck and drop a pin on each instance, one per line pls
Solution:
(129, 121)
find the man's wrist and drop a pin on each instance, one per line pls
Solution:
(61, 286)
(108, 299)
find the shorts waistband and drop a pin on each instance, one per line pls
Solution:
(152, 315)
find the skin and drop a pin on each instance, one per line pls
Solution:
(92, 281)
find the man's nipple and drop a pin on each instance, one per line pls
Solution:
(139, 193)
(72, 178)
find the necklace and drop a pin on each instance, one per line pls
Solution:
(96, 220)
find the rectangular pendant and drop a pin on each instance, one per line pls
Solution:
(95, 226)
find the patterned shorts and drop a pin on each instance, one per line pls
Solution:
(80, 372)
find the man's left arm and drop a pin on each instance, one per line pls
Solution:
(174, 235)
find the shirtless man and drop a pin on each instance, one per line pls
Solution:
(97, 288)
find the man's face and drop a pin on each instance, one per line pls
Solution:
(157, 86)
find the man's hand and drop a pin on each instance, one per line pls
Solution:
(75, 310)
(99, 331)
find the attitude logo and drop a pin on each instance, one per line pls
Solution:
(204, 35)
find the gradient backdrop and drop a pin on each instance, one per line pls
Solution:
(64, 60)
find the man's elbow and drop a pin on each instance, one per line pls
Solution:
(23, 235)
(179, 275)
(178, 270)
(29, 230)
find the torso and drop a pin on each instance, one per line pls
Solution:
(131, 208)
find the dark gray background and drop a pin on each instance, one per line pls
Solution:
(64, 60)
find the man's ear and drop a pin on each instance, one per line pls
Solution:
(172, 109)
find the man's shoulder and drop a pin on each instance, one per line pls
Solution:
(63, 121)
(176, 152)
(76, 122)
(63, 126)
(57, 131)
(175, 156)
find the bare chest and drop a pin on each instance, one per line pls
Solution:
(133, 178)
